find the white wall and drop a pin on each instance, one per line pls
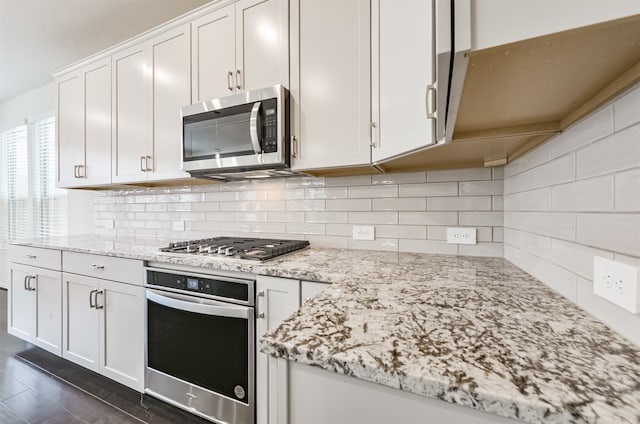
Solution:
(575, 197)
(33, 105)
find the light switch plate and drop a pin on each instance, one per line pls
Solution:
(617, 282)
(364, 232)
(461, 235)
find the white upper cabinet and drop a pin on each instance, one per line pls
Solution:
(213, 55)
(171, 80)
(403, 70)
(84, 126)
(330, 83)
(243, 46)
(151, 82)
(131, 114)
(70, 122)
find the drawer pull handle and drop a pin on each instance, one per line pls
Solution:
(29, 278)
(91, 293)
(31, 256)
(94, 266)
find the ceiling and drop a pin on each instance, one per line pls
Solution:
(38, 37)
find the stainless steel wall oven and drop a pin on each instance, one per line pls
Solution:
(200, 343)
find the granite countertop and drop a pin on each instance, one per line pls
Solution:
(478, 332)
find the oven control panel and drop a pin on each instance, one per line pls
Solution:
(219, 287)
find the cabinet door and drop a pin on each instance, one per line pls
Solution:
(70, 124)
(213, 55)
(276, 298)
(21, 303)
(171, 67)
(262, 43)
(97, 86)
(403, 68)
(131, 114)
(80, 322)
(331, 82)
(122, 333)
(48, 311)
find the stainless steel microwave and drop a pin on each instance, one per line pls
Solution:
(238, 136)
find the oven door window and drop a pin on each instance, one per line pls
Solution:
(218, 134)
(205, 350)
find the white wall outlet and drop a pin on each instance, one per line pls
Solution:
(364, 232)
(617, 282)
(461, 235)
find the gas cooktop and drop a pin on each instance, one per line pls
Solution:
(237, 247)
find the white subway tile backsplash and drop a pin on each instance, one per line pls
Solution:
(595, 194)
(475, 219)
(626, 110)
(268, 227)
(595, 127)
(360, 180)
(305, 205)
(305, 228)
(497, 173)
(205, 207)
(627, 191)
(575, 257)
(345, 230)
(493, 250)
(404, 178)
(427, 246)
(282, 216)
(475, 203)
(435, 232)
(401, 231)
(498, 234)
(289, 194)
(428, 189)
(372, 192)
(537, 245)
(236, 186)
(189, 197)
(497, 203)
(480, 188)
(533, 200)
(251, 216)
(223, 196)
(373, 217)
(252, 195)
(266, 205)
(553, 224)
(384, 244)
(304, 182)
(332, 242)
(349, 205)
(459, 175)
(619, 152)
(614, 232)
(327, 193)
(557, 171)
(402, 204)
(428, 218)
(327, 217)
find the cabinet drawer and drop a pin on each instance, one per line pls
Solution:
(35, 256)
(105, 267)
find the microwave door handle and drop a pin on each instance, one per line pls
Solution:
(253, 128)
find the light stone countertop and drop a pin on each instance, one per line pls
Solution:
(478, 332)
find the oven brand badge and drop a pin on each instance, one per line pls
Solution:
(239, 392)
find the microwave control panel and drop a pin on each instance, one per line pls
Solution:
(270, 140)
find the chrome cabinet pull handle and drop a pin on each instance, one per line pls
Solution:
(294, 146)
(96, 303)
(146, 163)
(142, 168)
(238, 79)
(430, 102)
(374, 142)
(81, 173)
(94, 266)
(91, 293)
(258, 313)
(25, 282)
(29, 278)
(229, 80)
(75, 171)
(31, 256)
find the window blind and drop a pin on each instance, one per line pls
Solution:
(30, 204)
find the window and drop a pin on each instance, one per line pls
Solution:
(30, 204)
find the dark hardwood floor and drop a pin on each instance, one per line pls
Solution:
(37, 387)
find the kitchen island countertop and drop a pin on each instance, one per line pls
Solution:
(477, 332)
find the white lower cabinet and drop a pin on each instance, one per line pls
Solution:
(35, 306)
(276, 299)
(103, 327)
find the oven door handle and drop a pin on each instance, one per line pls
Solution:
(200, 306)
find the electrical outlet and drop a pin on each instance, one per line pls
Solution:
(364, 232)
(461, 235)
(617, 282)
